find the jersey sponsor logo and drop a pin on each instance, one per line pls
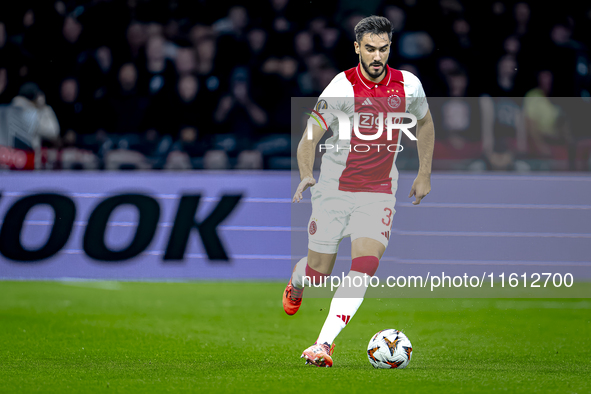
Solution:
(386, 234)
(394, 101)
(312, 228)
(366, 120)
(367, 102)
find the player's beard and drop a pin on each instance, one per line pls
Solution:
(368, 70)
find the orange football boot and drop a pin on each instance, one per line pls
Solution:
(319, 355)
(292, 299)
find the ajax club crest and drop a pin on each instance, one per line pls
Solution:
(394, 101)
(312, 228)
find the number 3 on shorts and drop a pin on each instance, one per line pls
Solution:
(388, 216)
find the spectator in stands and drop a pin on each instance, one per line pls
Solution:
(5, 94)
(238, 116)
(458, 120)
(257, 43)
(191, 151)
(397, 17)
(185, 61)
(464, 50)
(3, 38)
(522, 15)
(158, 75)
(506, 72)
(281, 76)
(68, 47)
(136, 40)
(168, 113)
(188, 109)
(232, 34)
(10, 61)
(546, 123)
(70, 112)
(415, 45)
(281, 21)
(343, 46)
(76, 128)
(97, 72)
(201, 32)
(155, 147)
(190, 142)
(127, 109)
(503, 129)
(206, 54)
(304, 44)
(28, 120)
(569, 62)
(234, 23)
(512, 45)
(86, 42)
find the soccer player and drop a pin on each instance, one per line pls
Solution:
(355, 194)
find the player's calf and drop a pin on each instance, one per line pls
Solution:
(292, 296)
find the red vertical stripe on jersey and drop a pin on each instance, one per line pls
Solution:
(370, 171)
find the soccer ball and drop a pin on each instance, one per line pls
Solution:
(389, 349)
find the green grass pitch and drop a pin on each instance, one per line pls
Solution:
(234, 337)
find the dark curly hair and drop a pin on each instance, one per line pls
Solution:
(373, 25)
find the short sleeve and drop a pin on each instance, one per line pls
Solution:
(322, 104)
(417, 99)
(338, 95)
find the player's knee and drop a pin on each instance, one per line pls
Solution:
(366, 265)
(321, 262)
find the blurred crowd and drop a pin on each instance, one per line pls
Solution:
(179, 84)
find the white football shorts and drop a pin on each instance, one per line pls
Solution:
(338, 214)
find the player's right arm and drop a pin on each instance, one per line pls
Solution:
(332, 97)
(306, 155)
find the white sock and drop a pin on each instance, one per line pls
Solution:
(297, 277)
(347, 299)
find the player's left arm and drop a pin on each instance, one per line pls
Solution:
(425, 144)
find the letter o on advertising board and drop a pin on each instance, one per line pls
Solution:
(94, 236)
(10, 243)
